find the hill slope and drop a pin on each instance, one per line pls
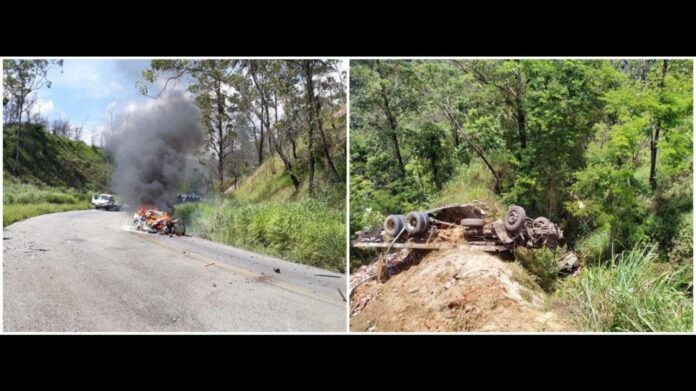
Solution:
(49, 160)
(54, 174)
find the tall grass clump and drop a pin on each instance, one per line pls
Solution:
(308, 232)
(631, 292)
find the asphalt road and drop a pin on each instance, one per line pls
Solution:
(89, 271)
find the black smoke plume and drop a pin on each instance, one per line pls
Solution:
(151, 147)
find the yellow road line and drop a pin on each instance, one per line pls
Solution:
(235, 269)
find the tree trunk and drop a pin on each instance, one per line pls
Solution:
(522, 125)
(19, 130)
(393, 125)
(325, 145)
(260, 146)
(294, 147)
(479, 152)
(519, 108)
(309, 86)
(288, 167)
(221, 136)
(455, 125)
(656, 135)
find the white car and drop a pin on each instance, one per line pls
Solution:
(106, 202)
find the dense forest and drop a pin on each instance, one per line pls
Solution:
(602, 147)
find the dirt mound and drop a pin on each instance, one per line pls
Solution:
(454, 290)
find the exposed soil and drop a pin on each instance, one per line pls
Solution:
(452, 290)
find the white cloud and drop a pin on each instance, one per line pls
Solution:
(91, 77)
(43, 107)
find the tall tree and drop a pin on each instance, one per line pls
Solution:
(319, 69)
(383, 92)
(21, 78)
(655, 134)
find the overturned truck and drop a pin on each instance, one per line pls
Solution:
(464, 226)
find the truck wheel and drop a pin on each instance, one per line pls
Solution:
(417, 222)
(393, 224)
(515, 218)
(545, 225)
(473, 222)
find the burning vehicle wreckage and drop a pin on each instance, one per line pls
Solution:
(153, 220)
(464, 226)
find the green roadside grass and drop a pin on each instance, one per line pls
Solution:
(22, 201)
(17, 212)
(307, 232)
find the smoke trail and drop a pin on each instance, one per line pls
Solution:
(151, 149)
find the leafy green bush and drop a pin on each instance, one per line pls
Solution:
(630, 293)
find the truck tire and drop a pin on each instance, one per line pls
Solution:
(417, 222)
(515, 218)
(477, 223)
(545, 224)
(542, 221)
(393, 224)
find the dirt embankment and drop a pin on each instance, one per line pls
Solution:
(455, 290)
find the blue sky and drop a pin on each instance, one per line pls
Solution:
(85, 91)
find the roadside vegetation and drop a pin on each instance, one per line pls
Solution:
(308, 231)
(22, 200)
(53, 173)
(47, 167)
(604, 148)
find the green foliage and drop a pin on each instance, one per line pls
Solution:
(49, 160)
(308, 232)
(631, 293)
(542, 264)
(189, 212)
(613, 189)
(681, 246)
(54, 174)
(594, 248)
